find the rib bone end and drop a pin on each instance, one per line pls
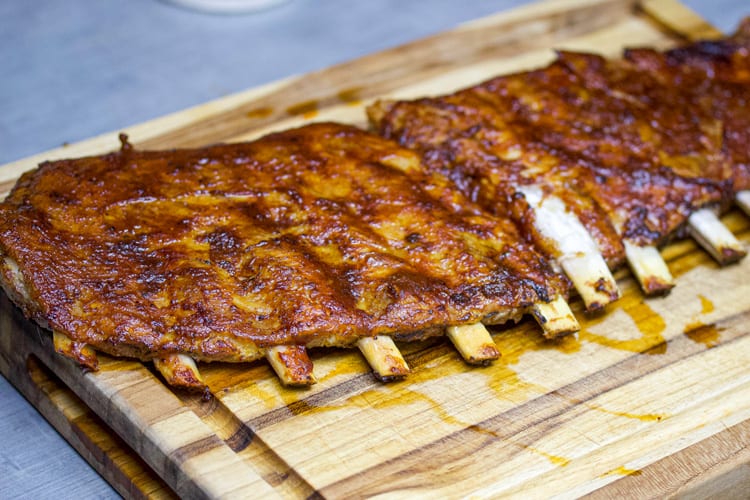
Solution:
(386, 360)
(555, 318)
(474, 343)
(292, 364)
(81, 352)
(180, 370)
(649, 269)
(577, 252)
(653, 286)
(705, 226)
(743, 200)
(592, 279)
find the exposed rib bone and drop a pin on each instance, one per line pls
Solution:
(714, 237)
(180, 370)
(474, 343)
(291, 364)
(649, 268)
(555, 318)
(384, 357)
(743, 200)
(81, 352)
(579, 255)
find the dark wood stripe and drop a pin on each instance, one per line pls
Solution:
(195, 449)
(219, 418)
(505, 435)
(171, 468)
(241, 438)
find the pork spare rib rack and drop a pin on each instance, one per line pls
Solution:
(598, 161)
(324, 235)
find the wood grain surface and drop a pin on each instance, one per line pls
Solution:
(650, 399)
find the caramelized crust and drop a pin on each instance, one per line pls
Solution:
(711, 78)
(617, 145)
(489, 156)
(326, 234)
(662, 159)
(315, 236)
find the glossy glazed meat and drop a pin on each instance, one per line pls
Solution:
(711, 78)
(316, 236)
(490, 156)
(610, 141)
(667, 156)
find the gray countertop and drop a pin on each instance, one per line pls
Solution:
(78, 68)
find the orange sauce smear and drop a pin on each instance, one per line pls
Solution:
(259, 113)
(623, 471)
(306, 109)
(708, 335)
(650, 324)
(350, 96)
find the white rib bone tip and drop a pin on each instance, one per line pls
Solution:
(555, 318)
(474, 343)
(292, 364)
(649, 268)
(384, 357)
(180, 370)
(705, 226)
(592, 280)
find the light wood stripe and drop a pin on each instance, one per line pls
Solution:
(679, 19)
(91, 436)
(717, 467)
(5, 187)
(193, 447)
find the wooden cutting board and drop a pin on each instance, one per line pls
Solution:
(648, 400)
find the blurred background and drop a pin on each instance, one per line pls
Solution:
(78, 68)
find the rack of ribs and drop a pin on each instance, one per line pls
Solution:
(603, 160)
(325, 235)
